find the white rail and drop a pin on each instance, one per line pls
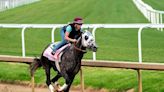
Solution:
(154, 16)
(94, 26)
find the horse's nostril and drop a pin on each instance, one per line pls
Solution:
(94, 49)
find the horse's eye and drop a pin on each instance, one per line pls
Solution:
(86, 37)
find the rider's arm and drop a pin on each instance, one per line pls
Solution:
(68, 30)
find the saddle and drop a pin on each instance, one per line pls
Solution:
(57, 56)
(59, 52)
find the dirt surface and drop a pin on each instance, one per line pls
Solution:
(19, 88)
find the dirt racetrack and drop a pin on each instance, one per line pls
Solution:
(19, 88)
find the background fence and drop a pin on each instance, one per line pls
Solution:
(136, 66)
(154, 16)
(93, 26)
(8, 4)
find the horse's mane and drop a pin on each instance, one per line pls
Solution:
(72, 44)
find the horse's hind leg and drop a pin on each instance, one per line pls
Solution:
(48, 81)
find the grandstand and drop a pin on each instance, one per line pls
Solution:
(154, 16)
(8, 4)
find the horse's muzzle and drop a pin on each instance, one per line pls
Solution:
(94, 48)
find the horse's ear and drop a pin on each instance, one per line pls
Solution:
(83, 31)
(89, 29)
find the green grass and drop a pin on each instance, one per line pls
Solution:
(155, 4)
(114, 44)
(7, 70)
(61, 11)
(116, 80)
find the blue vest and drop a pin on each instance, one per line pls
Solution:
(73, 34)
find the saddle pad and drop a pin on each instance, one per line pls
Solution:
(47, 53)
(56, 57)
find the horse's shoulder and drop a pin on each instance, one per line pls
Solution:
(69, 49)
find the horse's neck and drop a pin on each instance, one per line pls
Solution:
(77, 53)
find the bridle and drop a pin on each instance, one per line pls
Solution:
(79, 49)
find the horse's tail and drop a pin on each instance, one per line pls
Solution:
(35, 65)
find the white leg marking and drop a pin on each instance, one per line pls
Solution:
(63, 87)
(56, 83)
(51, 88)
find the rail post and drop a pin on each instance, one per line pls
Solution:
(33, 83)
(140, 58)
(161, 20)
(82, 79)
(139, 80)
(23, 42)
(93, 33)
(52, 34)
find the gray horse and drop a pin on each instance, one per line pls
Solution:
(70, 62)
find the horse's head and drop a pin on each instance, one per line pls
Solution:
(88, 41)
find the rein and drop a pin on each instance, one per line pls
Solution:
(81, 50)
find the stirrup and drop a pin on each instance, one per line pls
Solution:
(53, 52)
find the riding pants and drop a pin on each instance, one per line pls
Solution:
(61, 43)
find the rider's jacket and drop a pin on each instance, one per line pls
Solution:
(74, 33)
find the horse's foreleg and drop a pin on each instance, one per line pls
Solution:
(68, 83)
(65, 86)
(55, 79)
(48, 81)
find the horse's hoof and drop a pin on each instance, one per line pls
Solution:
(57, 87)
(58, 90)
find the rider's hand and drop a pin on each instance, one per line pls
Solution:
(74, 40)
